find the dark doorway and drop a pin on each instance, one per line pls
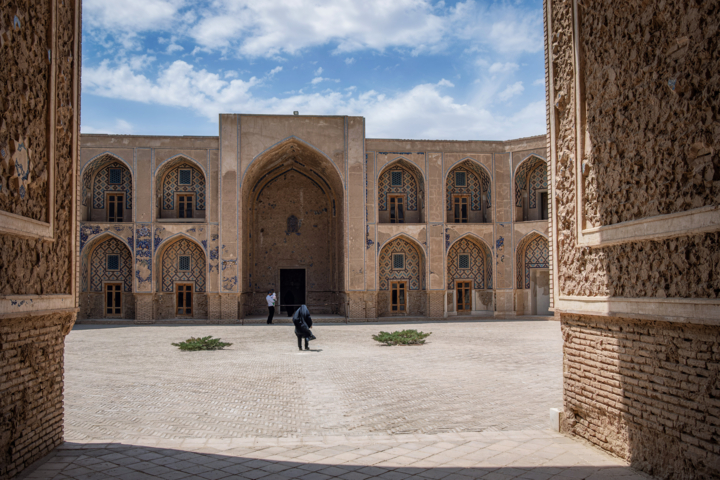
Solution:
(292, 289)
(543, 206)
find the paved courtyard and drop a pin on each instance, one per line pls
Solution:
(471, 403)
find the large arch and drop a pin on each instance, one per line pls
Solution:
(171, 274)
(411, 271)
(529, 180)
(476, 268)
(106, 174)
(293, 229)
(477, 189)
(532, 274)
(170, 183)
(411, 190)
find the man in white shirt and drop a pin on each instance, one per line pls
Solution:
(271, 299)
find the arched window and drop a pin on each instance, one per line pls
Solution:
(468, 195)
(401, 194)
(181, 191)
(531, 190)
(183, 274)
(107, 191)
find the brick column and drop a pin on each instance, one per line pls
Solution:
(228, 306)
(144, 303)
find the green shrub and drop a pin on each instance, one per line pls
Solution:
(405, 337)
(205, 343)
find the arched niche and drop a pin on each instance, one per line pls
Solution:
(181, 276)
(468, 193)
(293, 230)
(180, 191)
(106, 278)
(531, 190)
(469, 276)
(107, 190)
(401, 278)
(533, 274)
(401, 193)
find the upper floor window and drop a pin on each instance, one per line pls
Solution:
(398, 261)
(185, 176)
(460, 179)
(464, 261)
(184, 263)
(397, 210)
(115, 176)
(113, 262)
(185, 206)
(396, 179)
(115, 207)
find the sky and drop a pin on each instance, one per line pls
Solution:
(415, 69)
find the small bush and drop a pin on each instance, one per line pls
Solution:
(205, 343)
(405, 337)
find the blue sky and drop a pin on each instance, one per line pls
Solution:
(420, 69)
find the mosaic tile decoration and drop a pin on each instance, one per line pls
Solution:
(102, 185)
(413, 271)
(169, 263)
(477, 182)
(538, 180)
(409, 188)
(484, 177)
(171, 185)
(521, 176)
(98, 265)
(476, 272)
(533, 252)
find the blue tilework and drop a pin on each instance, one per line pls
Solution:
(413, 271)
(98, 265)
(101, 185)
(521, 177)
(538, 180)
(169, 262)
(533, 252)
(409, 188)
(476, 272)
(171, 185)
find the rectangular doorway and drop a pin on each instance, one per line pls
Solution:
(460, 206)
(184, 299)
(464, 298)
(398, 297)
(115, 207)
(543, 205)
(292, 289)
(397, 211)
(113, 299)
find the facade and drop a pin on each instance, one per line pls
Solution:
(39, 126)
(635, 233)
(203, 227)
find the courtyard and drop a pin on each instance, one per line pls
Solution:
(471, 403)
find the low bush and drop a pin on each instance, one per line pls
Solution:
(205, 343)
(404, 337)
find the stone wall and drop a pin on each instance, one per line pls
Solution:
(646, 391)
(31, 410)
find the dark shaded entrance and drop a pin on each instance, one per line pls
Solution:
(292, 289)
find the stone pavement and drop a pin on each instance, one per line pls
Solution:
(531, 455)
(124, 382)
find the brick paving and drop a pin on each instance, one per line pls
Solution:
(472, 403)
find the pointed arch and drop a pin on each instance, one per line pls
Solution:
(179, 158)
(413, 269)
(478, 186)
(95, 182)
(411, 190)
(167, 184)
(479, 269)
(166, 263)
(532, 252)
(93, 266)
(522, 173)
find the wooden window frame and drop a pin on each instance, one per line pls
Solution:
(397, 308)
(121, 202)
(393, 202)
(177, 298)
(105, 299)
(459, 287)
(455, 199)
(192, 202)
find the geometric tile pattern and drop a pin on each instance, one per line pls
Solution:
(102, 185)
(170, 272)
(413, 271)
(538, 180)
(409, 187)
(171, 185)
(476, 272)
(532, 252)
(521, 176)
(472, 187)
(98, 265)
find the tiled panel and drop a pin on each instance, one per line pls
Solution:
(538, 180)
(98, 265)
(476, 272)
(521, 177)
(102, 185)
(171, 185)
(532, 252)
(413, 271)
(409, 187)
(170, 272)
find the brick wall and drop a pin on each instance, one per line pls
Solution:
(144, 308)
(31, 381)
(647, 391)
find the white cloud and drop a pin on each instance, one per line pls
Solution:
(539, 82)
(275, 70)
(120, 127)
(419, 112)
(512, 90)
(349, 61)
(445, 83)
(318, 72)
(508, 67)
(317, 80)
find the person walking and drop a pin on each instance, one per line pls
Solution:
(271, 299)
(303, 324)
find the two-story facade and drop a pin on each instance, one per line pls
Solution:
(203, 227)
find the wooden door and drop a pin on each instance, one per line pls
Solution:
(397, 209)
(398, 296)
(113, 299)
(184, 299)
(464, 296)
(115, 207)
(461, 208)
(185, 208)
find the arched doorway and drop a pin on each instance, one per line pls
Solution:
(467, 188)
(107, 191)
(106, 268)
(293, 222)
(531, 190)
(401, 193)
(401, 279)
(469, 277)
(533, 275)
(180, 191)
(182, 279)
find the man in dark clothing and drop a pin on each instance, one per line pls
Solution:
(303, 324)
